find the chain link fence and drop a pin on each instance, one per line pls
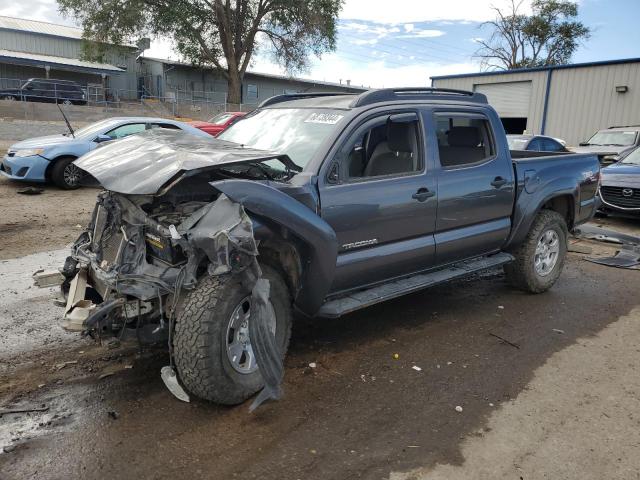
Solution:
(37, 101)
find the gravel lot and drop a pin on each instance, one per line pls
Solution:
(561, 401)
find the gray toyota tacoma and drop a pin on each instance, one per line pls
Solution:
(315, 205)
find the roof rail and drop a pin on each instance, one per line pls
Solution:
(417, 93)
(298, 96)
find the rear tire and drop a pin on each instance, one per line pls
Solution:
(202, 337)
(540, 258)
(65, 174)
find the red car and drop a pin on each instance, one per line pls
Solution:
(219, 123)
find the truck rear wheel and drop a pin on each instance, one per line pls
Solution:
(212, 348)
(540, 258)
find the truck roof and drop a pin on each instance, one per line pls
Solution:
(340, 100)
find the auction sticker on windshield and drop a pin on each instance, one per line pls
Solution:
(326, 118)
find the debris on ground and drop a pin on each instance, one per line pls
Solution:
(113, 414)
(557, 330)
(312, 364)
(44, 279)
(105, 375)
(592, 232)
(8, 448)
(60, 366)
(505, 341)
(396, 356)
(625, 258)
(458, 409)
(30, 191)
(42, 408)
(416, 368)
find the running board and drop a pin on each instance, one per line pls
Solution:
(364, 298)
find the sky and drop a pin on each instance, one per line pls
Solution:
(383, 43)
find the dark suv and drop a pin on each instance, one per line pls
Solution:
(314, 204)
(47, 90)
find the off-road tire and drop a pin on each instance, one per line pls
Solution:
(58, 176)
(521, 273)
(200, 343)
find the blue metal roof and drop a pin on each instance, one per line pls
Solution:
(540, 69)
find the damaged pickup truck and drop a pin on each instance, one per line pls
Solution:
(314, 205)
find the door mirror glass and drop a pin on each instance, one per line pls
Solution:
(102, 138)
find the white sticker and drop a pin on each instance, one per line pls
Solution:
(326, 118)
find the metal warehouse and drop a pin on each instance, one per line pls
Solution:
(34, 49)
(565, 101)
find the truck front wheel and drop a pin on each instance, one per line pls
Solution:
(540, 258)
(212, 348)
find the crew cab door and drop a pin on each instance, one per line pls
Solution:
(475, 186)
(379, 199)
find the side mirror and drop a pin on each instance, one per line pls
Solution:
(29, 87)
(102, 138)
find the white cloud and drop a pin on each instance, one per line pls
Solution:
(423, 34)
(411, 11)
(371, 41)
(375, 73)
(408, 27)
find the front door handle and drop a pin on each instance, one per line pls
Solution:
(498, 182)
(422, 194)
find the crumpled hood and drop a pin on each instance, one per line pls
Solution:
(42, 142)
(142, 164)
(621, 175)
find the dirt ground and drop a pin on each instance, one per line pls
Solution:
(37, 223)
(561, 402)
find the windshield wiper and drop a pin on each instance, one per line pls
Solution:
(613, 145)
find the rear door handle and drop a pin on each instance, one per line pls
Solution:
(498, 182)
(422, 194)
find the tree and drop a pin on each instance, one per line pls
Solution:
(221, 33)
(549, 36)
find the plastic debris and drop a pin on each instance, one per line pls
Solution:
(458, 408)
(416, 368)
(501, 307)
(557, 330)
(396, 356)
(313, 365)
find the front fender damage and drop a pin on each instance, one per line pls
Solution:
(128, 289)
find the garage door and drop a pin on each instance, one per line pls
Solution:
(510, 99)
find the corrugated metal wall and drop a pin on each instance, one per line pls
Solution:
(538, 85)
(582, 100)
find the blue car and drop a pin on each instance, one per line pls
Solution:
(50, 158)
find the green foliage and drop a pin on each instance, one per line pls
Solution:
(223, 34)
(549, 36)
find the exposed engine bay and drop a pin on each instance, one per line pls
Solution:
(139, 252)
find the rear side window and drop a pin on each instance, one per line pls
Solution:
(463, 139)
(549, 145)
(170, 126)
(535, 145)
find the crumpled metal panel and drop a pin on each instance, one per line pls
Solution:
(142, 164)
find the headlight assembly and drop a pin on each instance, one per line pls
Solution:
(28, 152)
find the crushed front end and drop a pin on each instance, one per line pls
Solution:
(128, 269)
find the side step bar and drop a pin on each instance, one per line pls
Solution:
(365, 298)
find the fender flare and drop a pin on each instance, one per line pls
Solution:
(528, 205)
(319, 266)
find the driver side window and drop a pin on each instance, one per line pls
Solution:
(385, 146)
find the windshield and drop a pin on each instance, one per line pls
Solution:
(615, 138)
(94, 129)
(295, 132)
(221, 119)
(517, 143)
(633, 158)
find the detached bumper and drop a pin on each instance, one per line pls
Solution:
(29, 169)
